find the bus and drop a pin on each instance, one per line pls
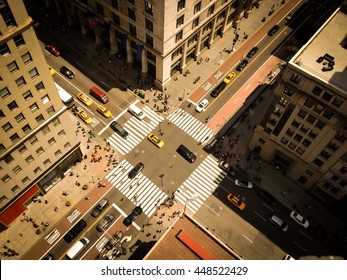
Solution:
(67, 99)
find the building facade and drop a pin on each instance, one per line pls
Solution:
(160, 37)
(304, 132)
(36, 143)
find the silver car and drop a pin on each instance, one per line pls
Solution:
(105, 222)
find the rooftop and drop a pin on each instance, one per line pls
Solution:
(324, 55)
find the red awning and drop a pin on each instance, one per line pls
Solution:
(17, 208)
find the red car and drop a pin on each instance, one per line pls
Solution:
(52, 49)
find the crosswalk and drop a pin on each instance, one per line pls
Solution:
(137, 130)
(193, 127)
(200, 184)
(140, 190)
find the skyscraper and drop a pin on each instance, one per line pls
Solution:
(36, 143)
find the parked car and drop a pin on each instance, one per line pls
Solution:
(102, 204)
(136, 170)
(236, 201)
(289, 16)
(218, 89)
(52, 49)
(243, 183)
(132, 216)
(252, 52)
(299, 219)
(119, 129)
(49, 257)
(84, 116)
(114, 240)
(228, 78)
(268, 198)
(105, 222)
(242, 65)
(67, 72)
(273, 30)
(201, 106)
(228, 168)
(51, 71)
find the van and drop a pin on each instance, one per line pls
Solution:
(278, 222)
(75, 230)
(186, 153)
(77, 248)
(136, 111)
(98, 94)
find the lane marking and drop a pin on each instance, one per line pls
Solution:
(260, 216)
(247, 238)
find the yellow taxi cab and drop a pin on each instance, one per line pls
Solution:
(155, 140)
(85, 99)
(229, 77)
(83, 115)
(52, 71)
(104, 111)
(236, 201)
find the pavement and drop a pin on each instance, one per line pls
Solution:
(21, 238)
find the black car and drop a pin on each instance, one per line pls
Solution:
(273, 30)
(49, 257)
(132, 216)
(218, 89)
(114, 240)
(67, 72)
(136, 170)
(119, 130)
(102, 204)
(242, 65)
(252, 52)
(268, 198)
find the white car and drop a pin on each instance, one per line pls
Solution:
(243, 183)
(202, 105)
(299, 219)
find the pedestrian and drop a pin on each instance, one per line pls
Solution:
(55, 209)
(86, 198)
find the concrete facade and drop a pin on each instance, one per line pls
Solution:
(36, 145)
(304, 132)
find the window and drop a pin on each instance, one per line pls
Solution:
(132, 29)
(27, 95)
(210, 10)
(3, 199)
(192, 39)
(2, 115)
(7, 126)
(27, 58)
(151, 56)
(309, 102)
(40, 118)
(180, 21)
(302, 180)
(343, 170)
(39, 86)
(67, 145)
(8, 159)
(284, 140)
(318, 162)
(2, 149)
(47, 162)
(283, 101)
(21, 82)
(176, 53)
(300, 150)
(195, 23)
(327, 97)
(14, 138)
(311, 119)
(341, 137)
(5, 93)
(51, 141)
(29, 159)
(26, 129)
(33, 140)
(302, 113)
(33, 73)
(131, 1)
(99, 9)
(149, 40)
(58, 153)
(40, 151)
(313, 134)
(148, 8)
(295, 78)
(33, 107)
(37, 170)
(290, 132)
(179, 36)
(22, 149)
(292, 145)
(20, 118)
(45, 99)
(7, 15)
(306, 143)
(26, 180)
(61, 133)
(295, 123)
(15, 189)
(325, 154)
(116, 19)
(149, 25)
(309, 172)
(12, 106)
(288, 92)
(131, 13)
(337, 102)
(197, 7)
(56, 122)
(304, 128)
(328, 114)
(12, 67)
(317, 90)
(318, 108)
(50, 110)
(181, 5)
(6, 178)
(45, 130)
(19, 40)
(17, 169)
(297, 137)
(4, 50)
(320, 124)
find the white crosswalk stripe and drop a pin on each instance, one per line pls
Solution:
(189, 124)
(137, 130)
(200, 184)
(140, 190)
